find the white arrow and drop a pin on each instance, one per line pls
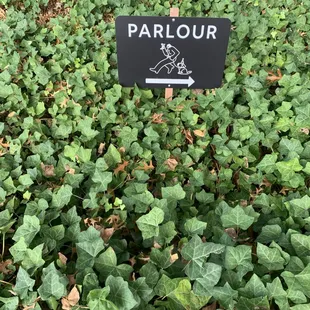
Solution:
(188, 81)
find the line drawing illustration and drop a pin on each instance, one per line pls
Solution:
(171, 54)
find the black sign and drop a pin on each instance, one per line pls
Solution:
(176, 52)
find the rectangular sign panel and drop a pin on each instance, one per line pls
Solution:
(176, 52)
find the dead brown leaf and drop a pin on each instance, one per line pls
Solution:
(199, 133)
(146, 166)
(106, 234)
(188, 136)
(122, 149)
(101, 148)
(115, 221)
(69, 169)
(62, 258)
(121, 167)
(285, 190)
(2, 13)
(231, 232)
(71, 278)
(197, 91)
(48, 170)
(53, 9)
(4, 265)
(272, 77)
(174, 257)
(132, 261)
(71, 300)
(10, 115)
(157, 118)
(156, 245)
(5, 145)
(171, 163)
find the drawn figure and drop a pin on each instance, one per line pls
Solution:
(171, 53)
(182, 68)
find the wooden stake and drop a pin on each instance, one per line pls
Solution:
(174, 12)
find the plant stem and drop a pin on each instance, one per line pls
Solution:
(3, 245)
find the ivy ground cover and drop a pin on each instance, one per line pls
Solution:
(113, 198)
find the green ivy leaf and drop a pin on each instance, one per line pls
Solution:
(193, 226)
(28, 230)
(270, 258)
(173, 194)
(53, 283)
(96, 300)
(23, 283)
(106, 264)
(236, 217)
(112, 156)
(254, 288)
(196, 252)
(212, 274)
(268, 163)
(62, 197)
(89, 245)
(148, 224)
(120, 293)
(102, 179)
(32, 259)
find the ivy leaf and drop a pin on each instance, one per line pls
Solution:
(150, 273)
(161, 258)
(270, 258)
(173, 194)
(166, 286)
(193, 226)
(299, 207)
(89, 245)
(53, 283)
(23, 283)
(148, 224)
(28, 230)
(276, 291)
(42, 74)
(184, 296)
(5, 90)
(288, 168)
(268, 163)
(301, 244)
(196, 252)
(102, 179)
(212, 274)
(120, 293)
(239, 258)
(96, 299)
(32, 259)
(128, 135)
(269, 233)
(106, 264)
(236, 217)
(62, 197)
(10, 303)
(141, 290)
(254, 288)
(112, 156)
(225, 295)
(18, 250)
(5, 221)
(166, 233)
